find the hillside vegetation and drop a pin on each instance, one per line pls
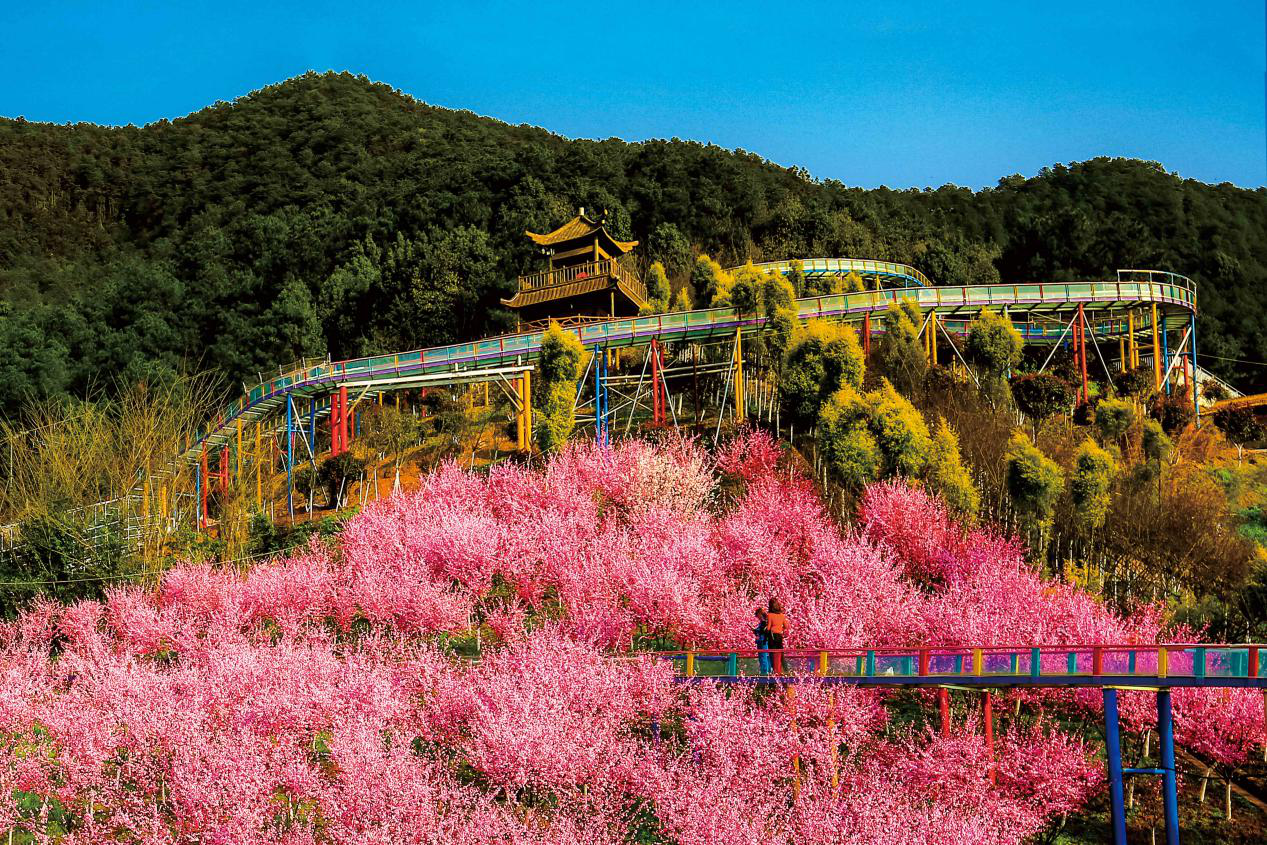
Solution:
(329, 214)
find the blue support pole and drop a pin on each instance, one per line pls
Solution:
(598, 395)
(1196, 406)
(1169, 790)
(312, 425)
(1035, 662)
(1113, 750)
(602, 399)
(290, 455)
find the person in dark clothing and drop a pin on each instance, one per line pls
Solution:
(762, 633)
(776, 623)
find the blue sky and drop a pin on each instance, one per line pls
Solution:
(895, 93)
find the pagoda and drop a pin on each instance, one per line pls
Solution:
(585, 281)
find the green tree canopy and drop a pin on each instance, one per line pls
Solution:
(1090, 485)
(1042, 395)
(554, 396)
(993, 344)
(822, 357)
(1034, 480)
(1113, 418)
(901, 355)
(947, 476)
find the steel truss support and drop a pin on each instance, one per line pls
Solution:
(1068, 326)
(1086, 324)
(1166, 769)
(659, 395)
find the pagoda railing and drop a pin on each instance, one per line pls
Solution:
(606, 268)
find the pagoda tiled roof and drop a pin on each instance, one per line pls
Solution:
(578, 227)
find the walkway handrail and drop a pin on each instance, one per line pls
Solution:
(1165, 664)
(844, 266)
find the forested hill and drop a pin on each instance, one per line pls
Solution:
(331, 214)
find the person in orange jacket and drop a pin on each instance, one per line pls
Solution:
(776, 623)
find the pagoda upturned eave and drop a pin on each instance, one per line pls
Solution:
(581, 228)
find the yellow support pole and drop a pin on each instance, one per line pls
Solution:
(978, 662)
(259, 471)
(519, 414)
(690, 664)
(237, 474)
(1132, 354)
(162, 503)
(822, 663)
(932, 337)
(145, 500)
(1121, 353)
(1163, 662)
(1156, 352)
(527, 409)
(740, 414)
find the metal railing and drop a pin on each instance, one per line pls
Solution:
(1168, 664)
(844, 266)
(603, 268)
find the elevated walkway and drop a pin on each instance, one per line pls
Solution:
(1039, 309)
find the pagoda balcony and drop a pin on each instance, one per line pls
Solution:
(579, 278)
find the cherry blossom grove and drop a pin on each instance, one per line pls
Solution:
(467, 665)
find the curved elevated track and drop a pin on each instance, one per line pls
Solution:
(1042, 312)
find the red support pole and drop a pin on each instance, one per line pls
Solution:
(989, 735)
(1097, 660)
(664, 388)
(1253, 661)
(206, 482)
(343, 418)
(224, 469)
(334, 423)
(866, 335)
(924, 661)
(1082, 354)
(943, 708)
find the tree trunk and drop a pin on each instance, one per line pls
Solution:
(1205, 782)
(1227, 799)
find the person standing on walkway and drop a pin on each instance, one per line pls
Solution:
(762, 634)
(776, 622)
